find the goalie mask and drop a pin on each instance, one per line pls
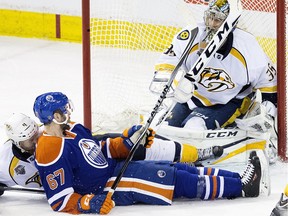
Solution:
(47, 104)
(214, 16)
(20, 127)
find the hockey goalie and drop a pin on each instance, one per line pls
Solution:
(213, 104)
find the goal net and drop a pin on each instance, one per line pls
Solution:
(127, 37)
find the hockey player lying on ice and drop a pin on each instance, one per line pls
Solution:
(76, 171)
(17, 154)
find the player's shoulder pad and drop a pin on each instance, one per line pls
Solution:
(49, 149)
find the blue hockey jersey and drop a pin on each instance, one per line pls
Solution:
(76, 164)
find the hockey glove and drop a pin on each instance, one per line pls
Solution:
(2, 188)
(184, 89)
(100, 204)
(130, 136)
(159, 81)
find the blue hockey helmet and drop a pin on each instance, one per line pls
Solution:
(46, 104)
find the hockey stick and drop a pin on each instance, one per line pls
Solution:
(18, 189)
(194, 32)
(236, 142)
(255, 145)
(208, 52)
(167, 112)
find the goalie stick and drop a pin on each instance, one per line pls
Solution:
(209, 51)
(250, 146)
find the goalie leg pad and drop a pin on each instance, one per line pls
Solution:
(196, 123)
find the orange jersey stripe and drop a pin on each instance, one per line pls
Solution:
(209, 171)
(72, 204)
(162, 190)
(214, 179)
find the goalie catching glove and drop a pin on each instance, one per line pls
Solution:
(130, 136)
(257, 119)
(184, 89)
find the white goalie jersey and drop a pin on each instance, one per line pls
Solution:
(17, 168)
(243, 67)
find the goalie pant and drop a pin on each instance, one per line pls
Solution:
(157, 183)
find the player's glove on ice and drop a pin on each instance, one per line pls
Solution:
(100, 204)
(130, 136)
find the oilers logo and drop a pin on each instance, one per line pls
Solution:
(161, 173)
(92, 153)
(215, 80)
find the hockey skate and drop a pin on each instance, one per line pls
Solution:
(251, 177)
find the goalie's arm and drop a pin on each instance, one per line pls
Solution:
(170, 58)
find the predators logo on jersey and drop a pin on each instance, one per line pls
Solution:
(184, 35)
(215, 80)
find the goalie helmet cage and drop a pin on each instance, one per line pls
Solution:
(122, 39)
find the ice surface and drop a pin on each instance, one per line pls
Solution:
(29, 67)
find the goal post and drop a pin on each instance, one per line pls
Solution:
(122, 40)
(86, 59)
(282, 69)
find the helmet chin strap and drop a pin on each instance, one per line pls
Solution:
(63, 122)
